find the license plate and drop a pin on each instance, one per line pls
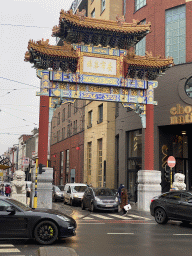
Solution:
(109, 205)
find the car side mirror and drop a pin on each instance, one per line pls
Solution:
(10, 209)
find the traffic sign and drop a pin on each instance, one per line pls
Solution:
(171, 161)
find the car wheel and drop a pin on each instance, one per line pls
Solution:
(71, 202)
(46, 232)
(160, 216)
(82, 205)
(92, 208)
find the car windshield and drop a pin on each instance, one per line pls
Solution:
(104, 192)
(20, 205)
(57, 189)
(79, 189)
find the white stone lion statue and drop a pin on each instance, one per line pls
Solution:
(18, 183)
(179, 184)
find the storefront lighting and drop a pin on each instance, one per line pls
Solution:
(183, 132)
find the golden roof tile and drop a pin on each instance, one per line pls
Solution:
(108, 25)
(43, 47)
(148, 60)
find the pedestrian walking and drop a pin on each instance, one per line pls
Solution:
(119, 192)
(7, 191)
(124, 199)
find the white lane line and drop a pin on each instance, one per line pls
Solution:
(88, 218)
(182, 234)
(6, 245)
(120, 217)
(120, 233)
(9, 250)
(137, 216)
(101, 216)
(91, 223)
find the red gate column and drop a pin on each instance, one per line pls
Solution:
(149, 138)
(43, 130)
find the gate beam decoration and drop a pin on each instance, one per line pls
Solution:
(94, 63)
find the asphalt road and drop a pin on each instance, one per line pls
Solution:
(101, 234)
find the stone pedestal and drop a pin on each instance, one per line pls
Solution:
(20, 197)
(44, 188)
(148, 187)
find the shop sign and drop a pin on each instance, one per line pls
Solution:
(181, 115)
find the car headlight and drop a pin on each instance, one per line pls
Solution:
(75, 196)
(63, 218)
(116, 200)
(97, 199)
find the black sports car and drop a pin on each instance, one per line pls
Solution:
(44, 225)
(173, 205)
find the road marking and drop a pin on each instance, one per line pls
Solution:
(101, 217)
(120, 233)
(99, 223)
(9, 250)
(137, 216)
(120, 217)
(182, 234)
(88, 218)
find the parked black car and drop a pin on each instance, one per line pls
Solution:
(173, 205)
(57, 194)
(44, 225)
(99, 199)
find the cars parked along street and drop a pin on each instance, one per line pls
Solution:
(173, 205)
(99, 199)
(44, 225)
(57, 194)
(73, 192)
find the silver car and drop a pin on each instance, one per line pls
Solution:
(73, 193)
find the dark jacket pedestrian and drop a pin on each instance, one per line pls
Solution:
(7, 190)
(124, 199)
(119, 192)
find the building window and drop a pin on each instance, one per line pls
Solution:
(124, 7)
(102, 5)
(61, 167)
(68, 130)
(89, 157)
(58, 119)
(139, 4)
(175, 34)
(63, 133)
(75, 107)
(58, 136)
(100, 163)
(63, 115)
(75, 127)
(67, 166)
(140, 47)
(116, 109)
(82, 122)
(69, 110)
(90, 114)
(93, 13)
(100, 112)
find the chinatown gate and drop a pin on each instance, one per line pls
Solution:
(93, 61)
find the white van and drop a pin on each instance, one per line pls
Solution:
(73, 192)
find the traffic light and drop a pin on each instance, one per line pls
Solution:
(167, 174)
(41, 168)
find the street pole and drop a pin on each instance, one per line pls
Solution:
(171, 177)
(35, 196)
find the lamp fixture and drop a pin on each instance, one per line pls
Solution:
(183, 132)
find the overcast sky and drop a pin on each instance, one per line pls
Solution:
(21, 20)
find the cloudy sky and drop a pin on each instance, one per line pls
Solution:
(21, 20)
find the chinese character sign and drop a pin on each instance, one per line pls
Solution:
(99, 66)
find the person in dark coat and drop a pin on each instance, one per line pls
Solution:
(124, 199)
(119, 192)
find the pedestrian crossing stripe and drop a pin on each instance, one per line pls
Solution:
(6, 245)
(136, 216)
(120, 217)
(101, 217)
(8, 248)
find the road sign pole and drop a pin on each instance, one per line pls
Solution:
(171, 176)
